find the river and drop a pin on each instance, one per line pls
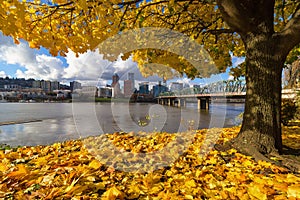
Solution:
(47, 123)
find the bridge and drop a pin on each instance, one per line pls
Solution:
(221, 89)
(231, 89)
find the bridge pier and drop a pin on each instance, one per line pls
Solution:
(184, 102)
(203, 103)
(181, 102)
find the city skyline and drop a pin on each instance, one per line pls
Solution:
(20, 61)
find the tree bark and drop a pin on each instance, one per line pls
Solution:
(261, 128)
(266, 53)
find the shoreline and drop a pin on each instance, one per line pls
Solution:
(19, 122)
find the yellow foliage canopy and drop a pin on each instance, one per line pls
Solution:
(62, 25)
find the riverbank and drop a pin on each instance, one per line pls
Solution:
(69, 170)
(19, 122)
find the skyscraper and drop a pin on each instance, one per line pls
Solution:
(131, 77)
(115, 85)
(128, 90)
(144, 88)
(115, 80)
(75, 85)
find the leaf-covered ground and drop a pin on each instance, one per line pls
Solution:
(68, 171)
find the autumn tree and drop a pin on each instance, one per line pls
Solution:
(264, 31)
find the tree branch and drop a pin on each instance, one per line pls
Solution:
(290, 35)
(234, 14)
(219, 31)
(244, 16)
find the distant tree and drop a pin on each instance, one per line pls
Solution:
(264, 31)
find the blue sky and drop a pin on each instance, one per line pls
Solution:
(23, 62)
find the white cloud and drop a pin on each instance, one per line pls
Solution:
(32, 65)
(91, 68)
(44, 67)
(87, 67)
(17, 54)
(237, 60)
(3, 74)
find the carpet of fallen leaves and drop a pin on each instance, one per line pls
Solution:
(68, 171)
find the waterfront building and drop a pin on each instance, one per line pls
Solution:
(36, 84)
(74, 85)
(131, 77)
(15, 83)
(128, 88)
(46, 86)
(115, 80)
(54, 85)
(12, 87)
(90, 91)
(105, 92)
(144, 88)
(157, 89)
(116, 85)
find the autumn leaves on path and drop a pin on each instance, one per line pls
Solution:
(69, 171)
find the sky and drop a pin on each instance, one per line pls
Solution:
(90, 68)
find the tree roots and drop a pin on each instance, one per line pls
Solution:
(290, 162)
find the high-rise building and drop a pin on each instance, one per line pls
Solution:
(115, 80)
(131, 77)
(36, 84)
(54, 85)
(144, 88)
(116, 85)
(128, 89)
(46, 86)
(75, 85)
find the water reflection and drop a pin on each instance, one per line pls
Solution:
(38, 133)
(60, 122)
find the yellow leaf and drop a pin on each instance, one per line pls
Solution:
(33, 44)
(188, 196)
(259, 180)
(113, 193)
(3, 167)
(95, 164)
(190, 183)
(293, 191)
(31, 10)
(70, 187)
(48, 179)
(291, 178)
(2, 154)
(22, 171)
(254, 191)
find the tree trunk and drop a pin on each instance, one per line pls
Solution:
(261, 127)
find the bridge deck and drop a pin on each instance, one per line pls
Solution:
(227, 94)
